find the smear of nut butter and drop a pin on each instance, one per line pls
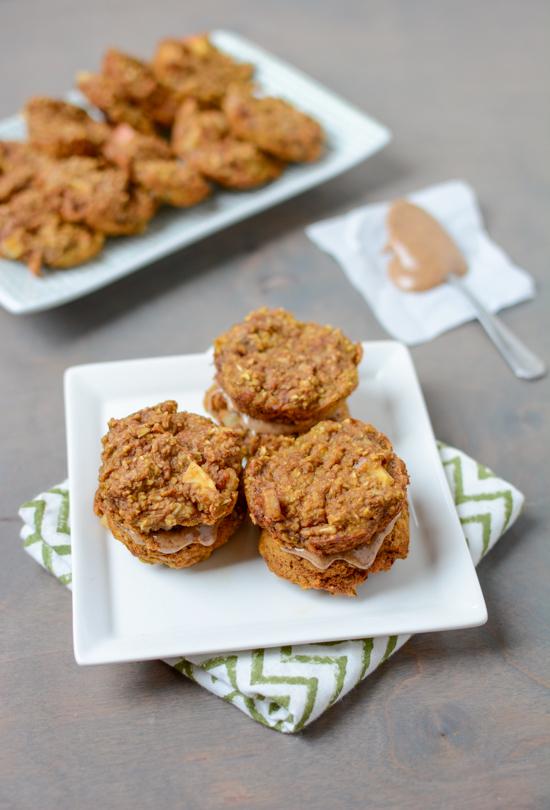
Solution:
(233, 418)
(360, 557)
(423, 253)
(173, 540)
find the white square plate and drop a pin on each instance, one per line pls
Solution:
(124, 610)
(352, 137)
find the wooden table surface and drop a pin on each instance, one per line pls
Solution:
(454, 720)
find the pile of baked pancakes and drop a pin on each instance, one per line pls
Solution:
(327, 490)
(170, 131)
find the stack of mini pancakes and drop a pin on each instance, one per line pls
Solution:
(169, 485)
(328, 491)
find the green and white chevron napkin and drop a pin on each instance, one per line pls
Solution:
(286, 688)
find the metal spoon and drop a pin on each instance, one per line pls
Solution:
(425, 255)
(523, 362)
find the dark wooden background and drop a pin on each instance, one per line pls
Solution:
(454, 720)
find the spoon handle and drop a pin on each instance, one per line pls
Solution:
(523, 362)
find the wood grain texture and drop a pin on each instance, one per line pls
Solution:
(454, 720)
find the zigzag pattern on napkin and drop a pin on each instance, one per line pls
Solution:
(484, 503)
(46, 533)
(286, 688)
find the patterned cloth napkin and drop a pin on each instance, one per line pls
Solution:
(286, 688)
(357, 239)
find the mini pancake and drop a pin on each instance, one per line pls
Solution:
(172, 182)
(274, 369)
(103, 92)
(33, 231)
(202, 137)
(274, 125)
(195, 128)
(61, 129)
(150, 163)
(236, 164)
(134, 80)
(169, 484)
(194, 68)
(125, 145)
(98, 195)
(19, 164)
(333, 490)
(163, 468)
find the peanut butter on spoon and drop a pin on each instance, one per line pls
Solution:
(423, 253)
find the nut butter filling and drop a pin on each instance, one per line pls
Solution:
(361, 557)
(423, 254)
(233, 418)
(172, 540)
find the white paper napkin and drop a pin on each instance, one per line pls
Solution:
(357, 238)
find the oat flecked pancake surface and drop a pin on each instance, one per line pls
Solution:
(162, 468)
(202, 137)
(331, 490)
(274, 367)
(32, 231)
(61, 130)
(193, 67)
(274, 125)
